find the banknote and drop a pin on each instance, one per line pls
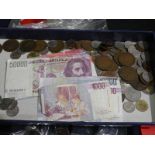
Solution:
(23, 76)
(75, 99)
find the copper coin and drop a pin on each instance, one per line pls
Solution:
(40, 46)
(116, 56)
(128, 74)
(71, 44)
(103, 62)
(32, 55)
(108, 73)
(86, 44)
(114, 67)
(27, 45)
(126, 59)
(11, 45)
(55, 45)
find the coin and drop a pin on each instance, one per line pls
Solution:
(128, 74)
(10, 45)
(27, 45)
(139, 48)
(86, 44)
(1, 48)
(40, 46)
(138, 85)
(95, 44)
(108, 73)
(12, 112)
(13, 104)
(6, 102)
(140, 70)
(132, 94)
(71, 44)
(116, 56)
(150, 89)
(55, 45)
(32, 55)
(123, 97)
(103, 62)
(141, 105)
(129, 43)
(129, 107)
(126, 59)
(15, 55)
(120, 45)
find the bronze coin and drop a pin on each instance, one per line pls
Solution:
(55, 45)
(126, 59)
(128, 74)
(11, 45)
(32, 55)
(15, 55)
(108, 73)
(40, 46)
(27, 45)
(142, 105)
(138, 85)
(78, 44)
(114, 67)
(71, 44)
(103, 62)
(116, 56)
(86, 44)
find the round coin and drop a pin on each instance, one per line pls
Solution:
(138, 85)
(95, 44)
(11, 45)
(103, 62)
(32, 55)
(86, 44)
(129, 107)
(147, 76)
(40, 46)
(12, 112)
(55, 45)
(13, 104)
(150, 89)
(141, 105)
(6, 102)
(129, 43)
(27, 45)
(126, 59)
(1, 48)
(15, 55)
(71, 44)
(132, 94)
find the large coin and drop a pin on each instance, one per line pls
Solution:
(129, 107)
(40, 46)
(132, 95)
(11, 45)
(71, 44)
(86, 44)
(55, 45)
(141, 105)
(126, 59)
(12, 112)
(27, 45)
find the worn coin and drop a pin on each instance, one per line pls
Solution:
(150, 89)
(132, 94)
(33, 55)
(126, 59)
(86, 44)
(71, 44)
(27, 45)
(11, 45)
(12, 112)
(129, 107)
(141, 105)
(15, 55)
(40, 46)
(13, 104)
(138, 85)
(6, 102)
(55, 45)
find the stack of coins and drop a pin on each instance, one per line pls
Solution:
(10, 105)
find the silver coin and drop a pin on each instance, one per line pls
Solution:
(142, 56)
(12, 112)
(129, 43)
(52, 43)
(141, 44)
(95, 43)
(132, 94)
(129, 107)
(139, 62)
(140, 70)
(147, 76)
(119, 44)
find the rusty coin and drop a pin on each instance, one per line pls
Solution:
(126, 59)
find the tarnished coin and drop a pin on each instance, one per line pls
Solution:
(126, 59)
(95, 44)
(138, 85)
(103, 62)
(11, 45)
(40, 46)
(71, 44)
(55, 45)
(132, 95)
(27, 45)
(12, 112)
(129, 107)
(86, 44)
(6, 102)
(128, 74)
(141, 105)
(15, 55)
(33, 55)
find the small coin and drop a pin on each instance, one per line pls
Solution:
(15, 55)
(11, 45)
(40, 46)
(132, 94)
(129, 107)
(55, 45)
(103, 62)
(27, 45)
(32, 55)
(71, 44)
(12, 112)
(141, 105)
(86, 44)
(95, 44)
(126, 59)
(128, 74)
(6, 102)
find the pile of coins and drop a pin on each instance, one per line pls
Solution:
(10, 105)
